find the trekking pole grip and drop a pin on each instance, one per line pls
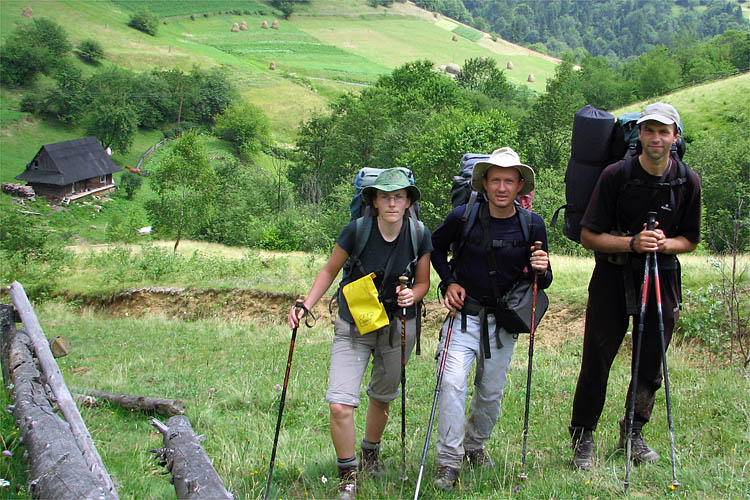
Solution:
(403, 281)
(538, 246)
(651, 221)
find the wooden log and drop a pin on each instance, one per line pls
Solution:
(60, 346)
(7, 325)
(193, 475)
(55, 380)
(58, 469)
(168, 407)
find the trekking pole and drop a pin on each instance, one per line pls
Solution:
(657, 287)
(650, 224)
(404, 284)
(441, 370)
(522, 475)
(298, 304)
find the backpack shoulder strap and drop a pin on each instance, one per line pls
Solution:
(416, 233)
(524, 216)
(363, 226)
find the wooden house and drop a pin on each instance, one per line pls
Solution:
(68, 170)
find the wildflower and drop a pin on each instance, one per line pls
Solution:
(323, 479)
(587, 482)
(516, 489)
(212, 389)
(672, 487)
(4, 483)
(7, 453)
(277, 386)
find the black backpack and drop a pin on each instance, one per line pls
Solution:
(599, 140)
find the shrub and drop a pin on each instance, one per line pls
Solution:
(90, 51)
(130, 183)
(143, 20)
(245, 126)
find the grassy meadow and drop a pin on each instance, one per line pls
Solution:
(226, 361)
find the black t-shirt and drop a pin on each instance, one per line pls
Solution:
(472, 271)
(375, 257)
(614, 209)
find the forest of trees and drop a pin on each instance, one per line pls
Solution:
(615, 29)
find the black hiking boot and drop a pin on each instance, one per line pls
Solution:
(478, 458)
(446, 478)
(640, 451)
(583, 448)
(369, 461)
(348, 483)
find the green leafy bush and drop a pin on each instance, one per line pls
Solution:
(143, 20)
(90, 51)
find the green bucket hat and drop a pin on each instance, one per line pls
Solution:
(391, 179)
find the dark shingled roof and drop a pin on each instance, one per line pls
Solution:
(72, 161)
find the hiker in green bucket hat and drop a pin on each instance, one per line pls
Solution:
(392, 244)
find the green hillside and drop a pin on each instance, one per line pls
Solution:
(329, 48)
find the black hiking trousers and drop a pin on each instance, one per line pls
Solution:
(606, 325)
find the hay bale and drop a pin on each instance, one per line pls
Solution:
(235, 28)
(275, 24)
(272, 66)
(531, 78)
(455, 38)
(509, 65)
(27, 12)
(264, 25)
(453, 69)
(243, 26)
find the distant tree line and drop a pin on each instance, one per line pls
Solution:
(615, 29)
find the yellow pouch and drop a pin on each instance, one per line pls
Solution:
(362, 298)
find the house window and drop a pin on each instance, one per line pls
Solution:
(102, 179)
(35, 165)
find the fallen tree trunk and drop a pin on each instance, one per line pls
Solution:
(168, 407)
(58, 469)
(193, 476)
(53, 377)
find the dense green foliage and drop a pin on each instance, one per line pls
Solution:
(143, 20)
(245, 126)
(90, 51)
(609, 28)
(185, 184)
(33, 48)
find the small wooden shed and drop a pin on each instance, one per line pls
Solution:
(68, 170)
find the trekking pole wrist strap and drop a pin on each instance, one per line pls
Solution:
(309, 313)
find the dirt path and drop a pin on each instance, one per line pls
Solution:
(245, 305)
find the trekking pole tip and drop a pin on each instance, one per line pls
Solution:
(522, 476)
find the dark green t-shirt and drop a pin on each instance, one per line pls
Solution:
(375, 257)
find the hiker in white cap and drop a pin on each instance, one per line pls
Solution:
(652, 180)
(489, 257)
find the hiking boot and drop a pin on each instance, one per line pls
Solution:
(478, 458)
(446, 478)
(370, 463)
(348, 483)
(583, 448)
(640, 451)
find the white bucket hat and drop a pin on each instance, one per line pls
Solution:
(506, 158)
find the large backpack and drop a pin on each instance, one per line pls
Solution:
(599, 140)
